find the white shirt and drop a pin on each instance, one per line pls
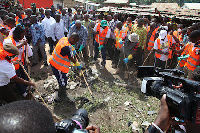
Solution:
(163, 56)
(101, 29)
(11, 31)
(7, 72)
(58, 30)
(47, 26)
(21, 50)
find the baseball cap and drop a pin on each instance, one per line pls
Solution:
(104, 23)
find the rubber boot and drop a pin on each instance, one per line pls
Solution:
(62, 92)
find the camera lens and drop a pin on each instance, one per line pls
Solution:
(81, 118)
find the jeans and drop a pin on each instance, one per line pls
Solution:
(103, 52)
(60, 76)
(42, 51)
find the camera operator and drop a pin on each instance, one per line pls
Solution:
(163, 119)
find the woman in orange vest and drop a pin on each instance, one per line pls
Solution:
(102, 34)
(60, 61)
(16, 39)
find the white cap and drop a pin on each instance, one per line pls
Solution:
(162, 34)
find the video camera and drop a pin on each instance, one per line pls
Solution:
(76, 124)
(183, 103)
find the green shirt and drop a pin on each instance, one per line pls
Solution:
(142, 33)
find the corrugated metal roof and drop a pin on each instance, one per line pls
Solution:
(191, 5)
(161, 6)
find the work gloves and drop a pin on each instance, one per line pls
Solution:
(100, 47)
(73, 50)
(81, 48)
(127, 59)
(183, 57)
(121, 42)
(79, 66)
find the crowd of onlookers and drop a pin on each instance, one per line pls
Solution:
(129, 41)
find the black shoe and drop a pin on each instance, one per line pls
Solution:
(45, 64)
(34, 64)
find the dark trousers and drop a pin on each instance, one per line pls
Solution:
(159, 63)
(110, 48)
(172, 63)
(103, 52)
(7, 94)
(60, 76)
(116, 56)
(139, 56)
(51, 44)
(20, 73)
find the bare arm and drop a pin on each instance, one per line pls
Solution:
(22, 81)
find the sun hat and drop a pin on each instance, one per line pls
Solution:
(133, 37)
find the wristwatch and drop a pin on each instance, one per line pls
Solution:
(152, 129)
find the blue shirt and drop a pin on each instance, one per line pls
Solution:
(83, 34)
(37, 32)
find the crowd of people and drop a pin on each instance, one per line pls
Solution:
(126, 40)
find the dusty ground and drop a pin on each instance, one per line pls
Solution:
(116, 104)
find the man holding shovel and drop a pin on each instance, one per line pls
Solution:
(60, 61)
(102, 32)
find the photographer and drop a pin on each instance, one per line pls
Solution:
(33, 117)
(29, 117)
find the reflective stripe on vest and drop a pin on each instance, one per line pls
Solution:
(193, 60)
(185, 52)
(101, 36)
(169, 38)
(57, 60)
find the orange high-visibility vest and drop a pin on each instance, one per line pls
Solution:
(169, 38)
(58, 61)
(17, 18)
(148, 29)
(3, 53)
(16, 58)
(185, 52)
(152, 39)
(6, 27)
(126, 25)
(120, 35)
(101, 36)
(177, 35)
(193, 60)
